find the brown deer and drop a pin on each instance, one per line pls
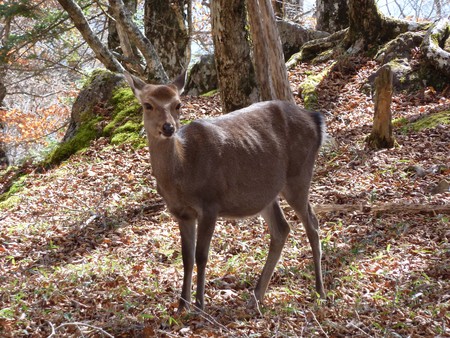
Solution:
(232, 166)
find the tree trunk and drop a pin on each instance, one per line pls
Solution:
(368, 27)
(113, 35)
(273, 82)
(365, 22)
(126, 51)
(101, 52)
(381, 136)
(155, 69)
(332, 15)
(232, 53)
(166, 27)
(278, 8)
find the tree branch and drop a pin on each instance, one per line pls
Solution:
(80, 22)
(154, 66)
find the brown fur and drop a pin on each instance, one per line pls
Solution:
(234, 166)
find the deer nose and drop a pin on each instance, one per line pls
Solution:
(168, 129)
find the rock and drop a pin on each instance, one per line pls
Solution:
(398, 54)
(293, 36)
(92, 98)
(438, 169)
(418, 170)
(442, 187)
(202, 77)
(400, 48)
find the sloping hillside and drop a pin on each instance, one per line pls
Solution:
(88, 247)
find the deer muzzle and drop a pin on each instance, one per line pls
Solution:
(168, 129)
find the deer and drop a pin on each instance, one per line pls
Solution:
(233, 166)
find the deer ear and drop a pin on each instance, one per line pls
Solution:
(136, 84)
(179, 82)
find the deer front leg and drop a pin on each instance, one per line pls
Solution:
(279, 230)
(206, 225)
(187, 231)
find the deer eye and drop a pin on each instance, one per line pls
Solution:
(178, 107)
(148, 106)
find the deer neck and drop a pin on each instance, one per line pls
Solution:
(166, 155)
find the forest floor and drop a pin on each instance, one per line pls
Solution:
(90, 249)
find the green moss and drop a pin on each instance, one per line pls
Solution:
(135, 139)
(127, 113)
(96, 74)
(210, 93)
(10, 202)
(126, 123)
(87, 132)
(9, 199)
(130, 126)
(425, 122)
(308, 88)
(431, 121)
(400, 122)
(129, 133)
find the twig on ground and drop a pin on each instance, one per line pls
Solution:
(77, 324)
(208, 317)
(320, 326)
(256, 303)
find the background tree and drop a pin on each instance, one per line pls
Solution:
(101, 51)
(368, 27)
(268, 56)
(332, 15)
(166, 26)
(113, 34)
(34, 71)
(232, 53)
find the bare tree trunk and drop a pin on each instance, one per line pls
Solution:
(166, 26)
(101, 52)
(278, 8)
(332, 15)
(381, 136)
(155, 69)
(232, 53)
(367, 26)
(113, 35)
(271, 73)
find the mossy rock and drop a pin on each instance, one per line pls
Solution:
(126, 122)
(431, 121)
(93, 100)
(424, 122)
(87, 132)
(10, 198)
(106, 106)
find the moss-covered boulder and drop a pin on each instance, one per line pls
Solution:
(419, 123)
(126, 124)
(202, 77)
(104, 107)
(410, 63)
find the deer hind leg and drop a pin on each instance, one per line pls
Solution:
(297, 197)
(279, 231)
